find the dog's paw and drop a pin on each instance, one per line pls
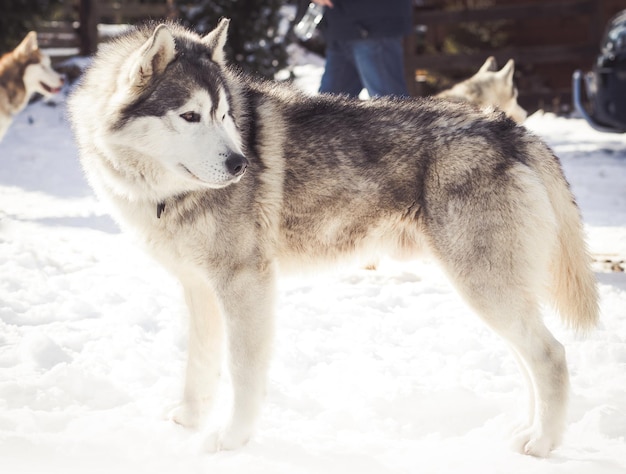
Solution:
(532, 443)
(226, 440)
(186, 414)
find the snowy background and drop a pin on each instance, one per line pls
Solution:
(381, 371)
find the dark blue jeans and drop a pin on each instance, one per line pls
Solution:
(374, 64)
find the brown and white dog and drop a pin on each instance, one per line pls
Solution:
(23, 72)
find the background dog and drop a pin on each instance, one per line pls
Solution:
(23, 72)
(490, 87)
(227, 180)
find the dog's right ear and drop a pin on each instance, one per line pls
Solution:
(507, 71)
(153, 57)
(28, 45)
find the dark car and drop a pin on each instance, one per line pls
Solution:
(604, 104)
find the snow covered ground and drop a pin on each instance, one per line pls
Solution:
(376, 372)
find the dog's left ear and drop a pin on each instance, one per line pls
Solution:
(153, 57)
(507, 71)
(490, 65)
(216, 40)
(28, 45)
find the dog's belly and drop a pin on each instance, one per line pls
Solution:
(362, 238)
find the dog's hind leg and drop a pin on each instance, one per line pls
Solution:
(513, 312)
(544, 358)
(500, 262)
(204, 353)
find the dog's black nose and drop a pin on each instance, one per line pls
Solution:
(236, 164)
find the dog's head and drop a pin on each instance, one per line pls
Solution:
(490, 88)
(39, 77)
(173, 105)
(498, 89)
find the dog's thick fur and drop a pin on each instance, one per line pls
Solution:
(24, 72)
(226, 179)
(490, 88)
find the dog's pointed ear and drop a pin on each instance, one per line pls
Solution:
(508, 70)
(28, 45)
(216, 40)
(153, 57)
(490, 65)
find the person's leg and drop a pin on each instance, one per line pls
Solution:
(340, 74)
(380, 63)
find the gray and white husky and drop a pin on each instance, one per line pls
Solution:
(227, 179)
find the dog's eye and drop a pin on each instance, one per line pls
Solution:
(192, 117)
(223, 117)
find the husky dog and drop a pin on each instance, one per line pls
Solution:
(24, 72)
(490, 87)
(226, 179)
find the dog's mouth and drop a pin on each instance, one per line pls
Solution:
(189, 172)
(50, 90)
(195, 177)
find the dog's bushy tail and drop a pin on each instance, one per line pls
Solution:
(573, 285)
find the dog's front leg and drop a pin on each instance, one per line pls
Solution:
(204, 353)
(248, 301)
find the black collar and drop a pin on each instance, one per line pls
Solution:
(160, 209)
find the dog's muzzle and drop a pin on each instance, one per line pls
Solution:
(236, 164)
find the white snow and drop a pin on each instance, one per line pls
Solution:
(376, 372)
